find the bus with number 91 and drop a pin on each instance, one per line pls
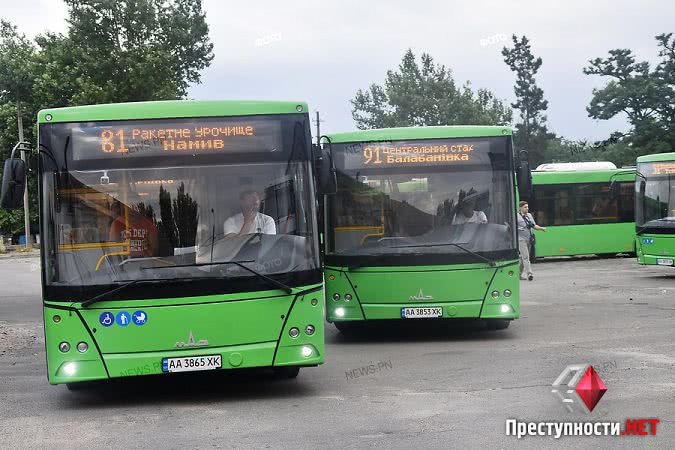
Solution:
(176, 236)
(422, 226)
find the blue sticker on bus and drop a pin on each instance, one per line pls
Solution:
(647, 240)
(139, 317)
(106, 319)
(123, 318)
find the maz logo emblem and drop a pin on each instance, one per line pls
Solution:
(421, 296)
(192, 343)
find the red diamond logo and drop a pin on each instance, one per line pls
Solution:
(591, 388)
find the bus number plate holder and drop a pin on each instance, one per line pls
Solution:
(664, 262)
(192, 363)
(416, 312)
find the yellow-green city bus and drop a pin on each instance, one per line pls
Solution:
(587, 208)
(176, 236)
(422, 226)
(655, 209)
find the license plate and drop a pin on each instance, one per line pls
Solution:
(421, 313)
(192, 363)
(664, 262)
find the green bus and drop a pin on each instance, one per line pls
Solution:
(587, 208)
(422, 226)
(655, 209)
(176, 236)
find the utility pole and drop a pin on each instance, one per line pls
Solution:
(26, 216)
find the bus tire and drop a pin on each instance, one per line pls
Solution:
(286, 372)
(498, 324)
(344, 327)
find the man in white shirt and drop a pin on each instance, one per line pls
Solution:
(467, 214)
(249, 220)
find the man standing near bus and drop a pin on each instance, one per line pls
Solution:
(526, 224)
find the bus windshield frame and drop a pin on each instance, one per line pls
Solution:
(417, 210)
(655, 197)
(157, 214)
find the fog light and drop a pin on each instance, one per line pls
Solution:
(336, 296)
(82, 347)
(309, 330)
(505, 308)
(507, 293)
(64, 347)
(69, 369)
(348, 297)
(314, 302)
(495, 294)
(56, 318)
(307, 351)
(294, 332)
(340, 312)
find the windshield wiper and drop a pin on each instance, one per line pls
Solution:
(128, 283)
(276, 283)
(459, 246)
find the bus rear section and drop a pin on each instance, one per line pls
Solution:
(422, 226)
(180, 239)
(587, 209)
(655, 209)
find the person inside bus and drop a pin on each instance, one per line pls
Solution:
(139, 230)
(466, 211)
(250, 220)
(526, 224)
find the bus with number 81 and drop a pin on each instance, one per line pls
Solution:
(176, 236)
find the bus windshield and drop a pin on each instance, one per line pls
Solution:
(655, 195)
(138, 218)
(447, 198)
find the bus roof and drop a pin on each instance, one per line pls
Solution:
(394, 134)
(657, 157)
(583, 176)
(576, 166)
(169, 109)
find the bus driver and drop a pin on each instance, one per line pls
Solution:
(250, 220)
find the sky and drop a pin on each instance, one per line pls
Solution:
(322, 52)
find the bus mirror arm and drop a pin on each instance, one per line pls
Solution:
(326, 168)
(524, 176)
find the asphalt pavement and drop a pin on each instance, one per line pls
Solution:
(402, 385)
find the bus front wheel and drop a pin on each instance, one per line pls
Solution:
(286, 372)
(498, 324)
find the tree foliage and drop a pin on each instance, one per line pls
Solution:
(531, 132)
(645, 95)
(422, 95)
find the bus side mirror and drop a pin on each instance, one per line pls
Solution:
(524, 178)
(327, 176)
(13, 184)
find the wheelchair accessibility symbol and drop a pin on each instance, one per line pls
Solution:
(106, 319)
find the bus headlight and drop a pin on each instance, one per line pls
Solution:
(348, 297)
(294, 332)
(507, 293)
(495, 294)
(307, 351)
(69, 369)
(336, 296)
(505, 309)
(309, 330)
(340, 312)
(82, 347)
(64, 347)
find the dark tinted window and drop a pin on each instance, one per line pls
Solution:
(582, 204)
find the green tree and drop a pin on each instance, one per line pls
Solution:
(422, 95)
(121, 51)
(531, 132)
(645, 96)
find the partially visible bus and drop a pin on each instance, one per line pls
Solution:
(176, 236)
(587, 208)
(655, 209)
(422, 226)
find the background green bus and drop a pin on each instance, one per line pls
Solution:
(655, 209)
(583, 212)
(394, 245)
(139, 276)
